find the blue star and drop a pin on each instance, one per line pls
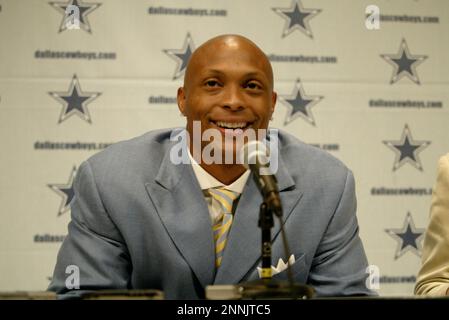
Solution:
(65, 191)
(84, 10)
(404, 63)
(181, 56)
(408, 237)
(74, 101)
(299, 104)
(407, 150)
(297, 18)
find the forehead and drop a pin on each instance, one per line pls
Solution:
(230, 57)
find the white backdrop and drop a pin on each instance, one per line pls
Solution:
(376, 99)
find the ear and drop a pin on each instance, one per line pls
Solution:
(181, 97)
(274, 97)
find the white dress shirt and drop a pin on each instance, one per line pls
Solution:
(207, 181)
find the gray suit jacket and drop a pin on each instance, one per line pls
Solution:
(140, 221)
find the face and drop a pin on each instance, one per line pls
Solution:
(228, 87)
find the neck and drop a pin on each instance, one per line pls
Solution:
(225, 173)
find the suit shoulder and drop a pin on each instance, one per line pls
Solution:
(145, 145)
(132, 159)
(443, 162)
(298, 154)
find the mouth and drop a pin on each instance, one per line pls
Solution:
(232, 125)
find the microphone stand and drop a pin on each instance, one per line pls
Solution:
(265, 224)
(267, 287)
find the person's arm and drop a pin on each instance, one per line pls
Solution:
(339, 266)
(433, 277)
(93, 245)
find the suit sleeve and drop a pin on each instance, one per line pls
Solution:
(93, 245)
(433, 277)
(339, 266)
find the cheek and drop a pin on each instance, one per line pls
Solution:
(198, 107)
(192, 107)
(264, 109)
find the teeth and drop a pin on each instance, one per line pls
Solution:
(232, 125)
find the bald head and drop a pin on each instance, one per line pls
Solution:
(234, 48)
(228, 92)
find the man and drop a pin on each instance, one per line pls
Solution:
(433, 278)
(140, 220)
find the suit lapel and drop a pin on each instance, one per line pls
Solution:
(183, 211)
(243, 248)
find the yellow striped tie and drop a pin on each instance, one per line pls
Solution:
(221, 228)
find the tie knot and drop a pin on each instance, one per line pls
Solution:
(224, 197)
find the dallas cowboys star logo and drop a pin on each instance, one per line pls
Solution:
(65, 191)
(74, 101)
(299, 104)
(297, 18)
(84, 10)
(404, 63)
(408, 237)
(407, 150)
(181, 56)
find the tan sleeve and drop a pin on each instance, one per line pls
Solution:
(433, 278)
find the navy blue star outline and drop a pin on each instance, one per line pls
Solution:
(404, 63)
(407, 149)
(74, 101)
(297, 18)
(84, 8)
(65, 191)
(181, 56)
(299, 104)
(408, 237)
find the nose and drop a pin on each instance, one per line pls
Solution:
(233, 98)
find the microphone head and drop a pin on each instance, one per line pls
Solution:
(254, 152)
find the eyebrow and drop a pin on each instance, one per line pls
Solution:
(246, 75)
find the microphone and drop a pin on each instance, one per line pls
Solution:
(253, 156)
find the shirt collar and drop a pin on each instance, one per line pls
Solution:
(207, 181)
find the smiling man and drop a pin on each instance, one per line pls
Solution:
(228, 87)
(142, 221)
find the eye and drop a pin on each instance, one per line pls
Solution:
(253, 85)
(212, 83)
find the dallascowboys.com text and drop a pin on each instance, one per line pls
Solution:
(53, 145)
